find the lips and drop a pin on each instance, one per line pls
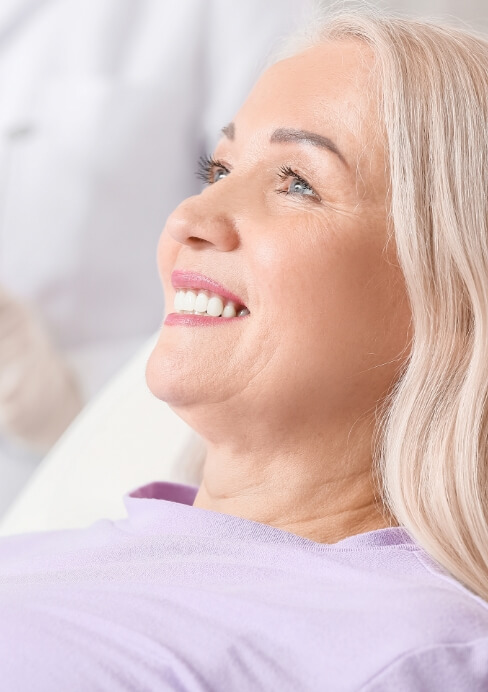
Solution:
(188, 279)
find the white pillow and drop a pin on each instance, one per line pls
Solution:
(123, 439)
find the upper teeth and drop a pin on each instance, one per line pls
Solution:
(205, 303)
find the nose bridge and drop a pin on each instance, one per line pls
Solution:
(205, 219)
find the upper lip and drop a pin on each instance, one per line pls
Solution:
(189, 279)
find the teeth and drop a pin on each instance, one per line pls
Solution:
(179, 303)
(190, 298)
(215, 306)
(202, 304)
(229, 310)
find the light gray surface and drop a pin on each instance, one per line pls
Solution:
(16, 467)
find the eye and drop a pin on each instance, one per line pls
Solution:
(298, 185)
(210, 170)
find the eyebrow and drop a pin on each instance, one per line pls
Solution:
(286, 134)
(229, 131)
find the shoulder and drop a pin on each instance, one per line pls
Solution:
(454, 667)
(441, 636)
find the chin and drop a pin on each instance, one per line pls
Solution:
(168, 382)
(171, 377)
(178, 373)
(164, 378)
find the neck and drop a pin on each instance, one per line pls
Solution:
(317, 493)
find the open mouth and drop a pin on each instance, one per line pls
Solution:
(195, 301)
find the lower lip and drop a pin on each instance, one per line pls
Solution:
(188, 320)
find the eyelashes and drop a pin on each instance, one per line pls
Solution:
(287, 173)
(208, 168)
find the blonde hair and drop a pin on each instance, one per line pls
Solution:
(431, 454)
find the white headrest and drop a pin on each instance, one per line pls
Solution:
(123, 439)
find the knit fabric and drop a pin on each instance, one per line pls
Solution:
(176, 597)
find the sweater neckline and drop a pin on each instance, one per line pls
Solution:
(167, 507)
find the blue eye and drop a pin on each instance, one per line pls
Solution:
(210, 170)
(219, 173)
(298, 185)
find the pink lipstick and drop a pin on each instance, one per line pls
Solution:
(192, 280)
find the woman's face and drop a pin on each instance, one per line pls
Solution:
(293, 222)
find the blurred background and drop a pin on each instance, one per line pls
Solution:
(106, 107)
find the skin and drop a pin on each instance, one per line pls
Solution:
(285, 398)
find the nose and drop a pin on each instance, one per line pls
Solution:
(199, 222)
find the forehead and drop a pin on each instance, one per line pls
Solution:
(327, 80)
(326, 89)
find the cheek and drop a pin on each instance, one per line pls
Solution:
(333, 297)
(315, 270)
(166, 257)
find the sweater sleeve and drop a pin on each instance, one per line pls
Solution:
(459, 667)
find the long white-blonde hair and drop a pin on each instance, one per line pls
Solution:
(431, 452)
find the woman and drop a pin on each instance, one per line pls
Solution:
(328, 342)
(85, 139)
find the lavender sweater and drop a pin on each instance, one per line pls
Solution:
(175, 597)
